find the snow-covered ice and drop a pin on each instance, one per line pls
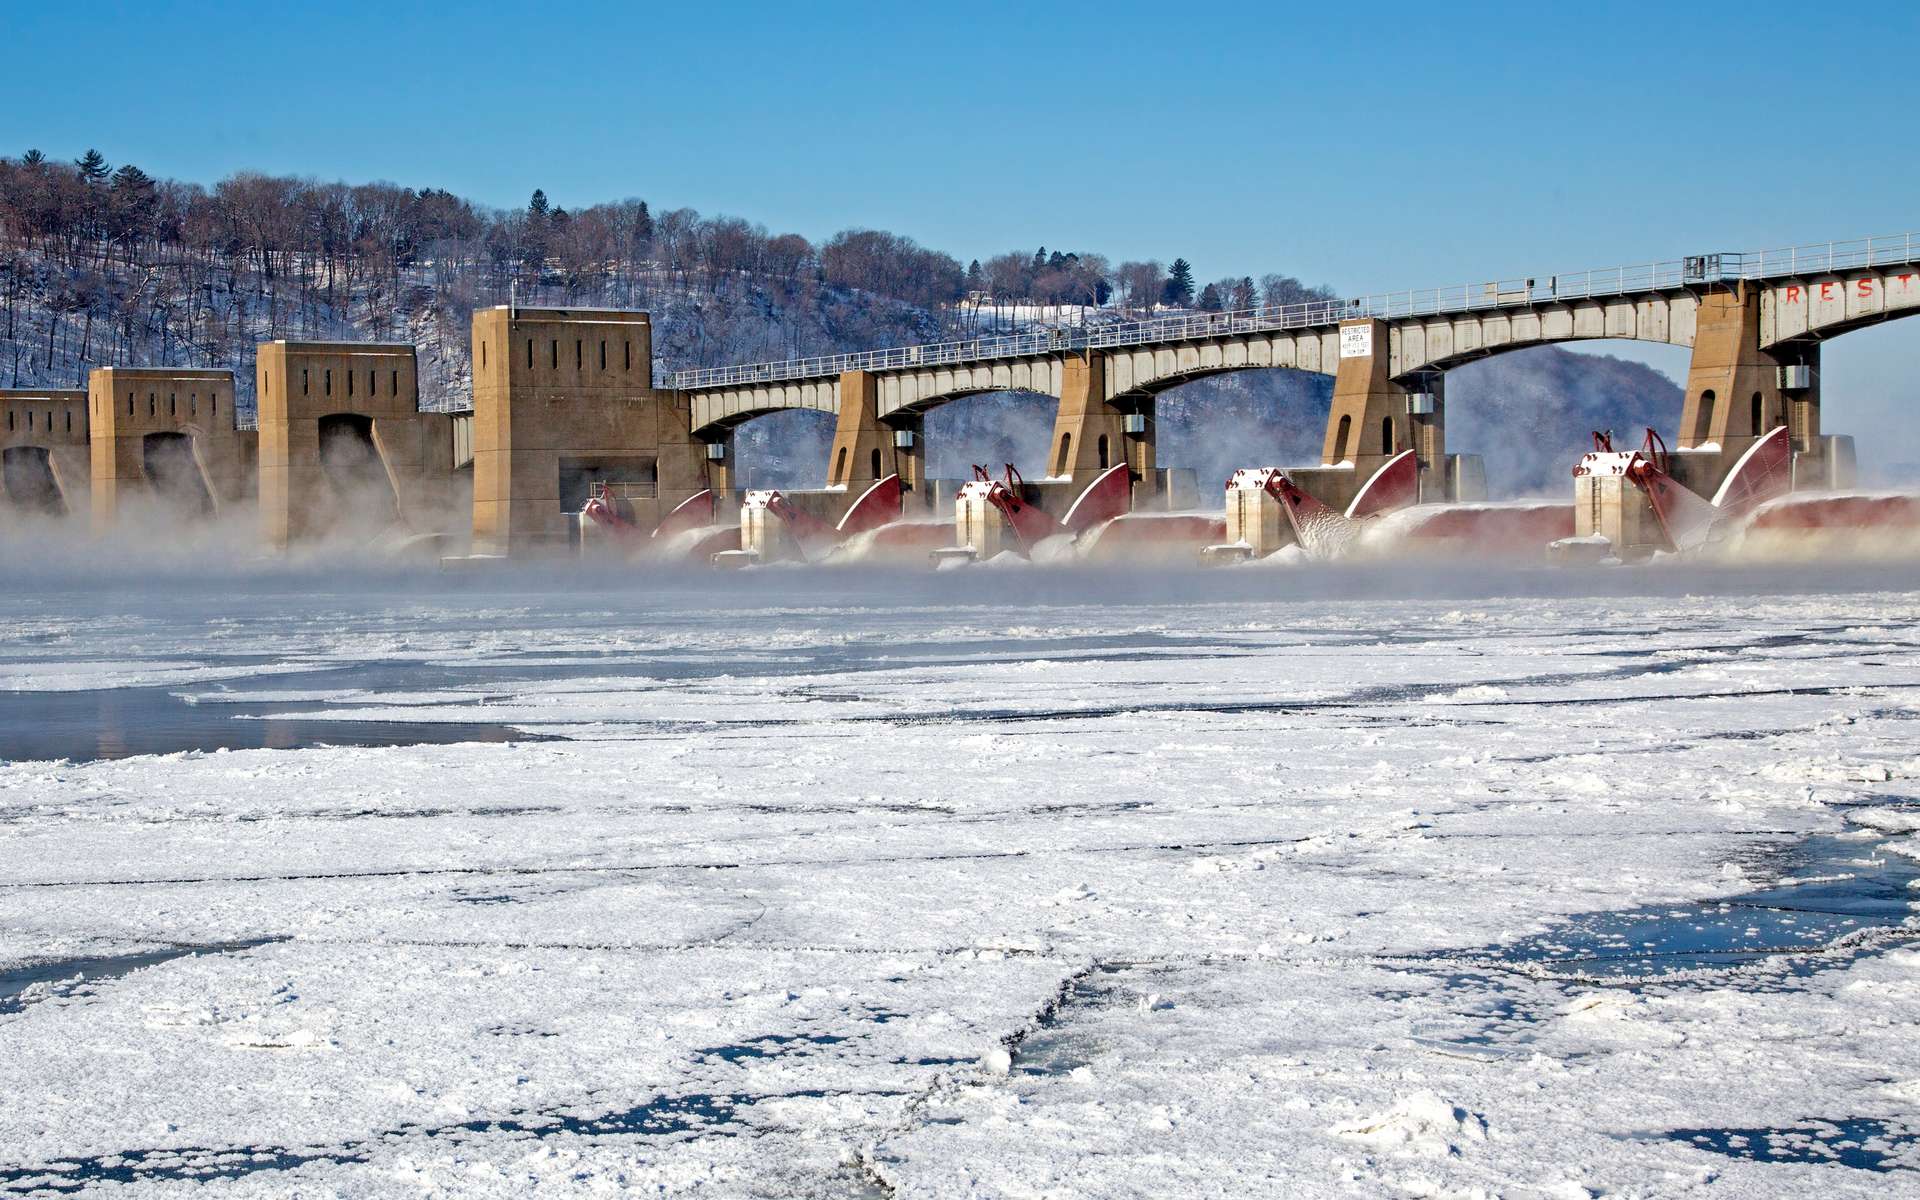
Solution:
(981, 884)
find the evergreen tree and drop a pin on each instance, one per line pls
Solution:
(976, 278)
(132, 203)
(92, 166)
(1179, 285)
(1244, 296)
(131, 179)
(534, 251)
(643, 226)
(1040, 259)
(33, 158)
(1210, 298)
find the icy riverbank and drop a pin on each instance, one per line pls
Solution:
(1191, 893)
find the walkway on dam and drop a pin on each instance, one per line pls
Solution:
(1640, 279)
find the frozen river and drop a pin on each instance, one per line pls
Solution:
(989, 883)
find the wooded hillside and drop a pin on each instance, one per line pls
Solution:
(103, 265)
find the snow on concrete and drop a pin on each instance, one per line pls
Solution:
(1002, 893)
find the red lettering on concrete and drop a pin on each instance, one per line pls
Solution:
(1793, 295)
(1826, 291)
(1863, 288)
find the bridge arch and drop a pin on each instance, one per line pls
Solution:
(1442, 342)
(933, 403)
(778, 447)
(989, 427)
(1216, 419)
(716, 413)
(1493, 405)
(920, 390)
(714, 426)
(1821, 307)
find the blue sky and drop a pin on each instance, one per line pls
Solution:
(1368, 147)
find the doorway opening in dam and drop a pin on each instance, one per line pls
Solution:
(174, 472)
(359, 491)
(29, 480)
(628, 477)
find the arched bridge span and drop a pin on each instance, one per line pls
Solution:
(1753, 320)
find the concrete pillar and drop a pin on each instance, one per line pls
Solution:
(299, 384)
(1802, 402)
(131, 404)
(977, 524)
(1426, 410)
(1140, 433)
(719, 469)
(1368, 423)
(44, 433)
(762, 533)
(1255, 515)
(1089, 429)
(862, 446)
(289, 474)
(909, 460)
(1427, 420)
(1611, 506)
(1733, 386)
(115, 472)
(562, 395)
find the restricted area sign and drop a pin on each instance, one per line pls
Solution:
(1356, 341)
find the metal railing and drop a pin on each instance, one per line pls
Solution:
(626, 489)
(1638, 279)
(1023, 345)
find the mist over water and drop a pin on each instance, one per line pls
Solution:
(1531, 414)
(784, 450)
(790, 449)
(991, 430)
(220, 570)
(1218, 425)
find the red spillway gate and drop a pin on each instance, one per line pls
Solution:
(695, 512)
(878, 505)
(1030, 525)
(1690, 521)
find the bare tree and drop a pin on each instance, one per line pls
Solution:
(1277, 291)
(1141, 284)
